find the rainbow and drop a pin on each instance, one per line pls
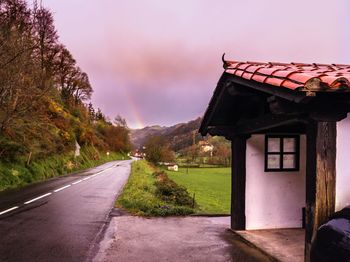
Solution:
(137, 120)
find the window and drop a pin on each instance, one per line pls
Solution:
(281, 153)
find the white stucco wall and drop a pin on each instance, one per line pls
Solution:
(343, 164)
(273, 199)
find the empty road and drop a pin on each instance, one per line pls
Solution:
(60, 219)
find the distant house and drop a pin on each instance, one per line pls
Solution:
(169, 166)
(173, 167)
(206, 147)
(290, 142)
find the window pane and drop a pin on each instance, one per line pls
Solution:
(273, 144)
(273, 161)
(289, 161)
(289, 144)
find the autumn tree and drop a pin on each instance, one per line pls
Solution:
(157, 150)
(46, 45)
(43, 92)
(18, 89)
(221, 152)
(120, 121)
(92, 113)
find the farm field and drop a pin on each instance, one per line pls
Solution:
(211, 186)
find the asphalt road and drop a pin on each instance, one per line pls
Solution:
(61, 219)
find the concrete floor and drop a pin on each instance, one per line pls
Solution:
(286, 245)
(131, 238)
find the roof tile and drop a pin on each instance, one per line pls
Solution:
(315, 76)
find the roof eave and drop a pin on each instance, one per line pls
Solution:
(203, 129)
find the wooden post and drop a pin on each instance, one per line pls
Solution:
(320, 178)
(238, 183)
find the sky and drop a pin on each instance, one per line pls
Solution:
(157, 62)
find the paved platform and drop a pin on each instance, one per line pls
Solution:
(173, 239)
(286, 245)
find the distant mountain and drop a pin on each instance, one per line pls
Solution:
(139, 136)
(179, 136)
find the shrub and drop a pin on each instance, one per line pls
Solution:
(150, 193)
(10, 150)
(170, 192)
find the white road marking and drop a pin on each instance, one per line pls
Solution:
(37, 198)
(8, 210)
(77, 182)
(58, 189)
(61, 188)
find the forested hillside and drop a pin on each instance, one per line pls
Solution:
(44, 97)
(178, 136)
(183, 141)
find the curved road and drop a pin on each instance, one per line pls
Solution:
(60, 219)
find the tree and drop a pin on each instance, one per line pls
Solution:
(157, 150)
(99, 115)
(91, 110)
(43, 91)
(223, 153)
(46, 43)
(120, 121)
(19, 93)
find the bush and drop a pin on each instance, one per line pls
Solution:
(10, 150)
(150, 193)
(170, 192)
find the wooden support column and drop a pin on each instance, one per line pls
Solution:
(238, 183)
(320, 178)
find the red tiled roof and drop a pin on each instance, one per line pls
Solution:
(313, 77)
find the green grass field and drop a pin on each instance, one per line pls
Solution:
(212, 187)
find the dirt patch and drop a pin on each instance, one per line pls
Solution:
(131, 238)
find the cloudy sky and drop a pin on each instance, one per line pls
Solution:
(157, 61)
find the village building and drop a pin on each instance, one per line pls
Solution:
(206, 147)
(173, 167)
(290, 143)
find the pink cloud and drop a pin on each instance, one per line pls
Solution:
(166, 54)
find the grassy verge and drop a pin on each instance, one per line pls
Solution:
(211, 186)
(14, 175)
(151, 193)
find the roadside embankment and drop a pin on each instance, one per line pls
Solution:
(17, 174)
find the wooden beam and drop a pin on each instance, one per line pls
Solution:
(328, 115)
(225, 131)
(320, 178)
(279, 105)
(291, 95)
(213, 104)
(256, 125)
(238, 182)
(265, 122)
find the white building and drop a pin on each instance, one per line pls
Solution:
(290, 142)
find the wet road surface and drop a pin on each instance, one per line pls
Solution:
(175, 239)
(60, 219)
